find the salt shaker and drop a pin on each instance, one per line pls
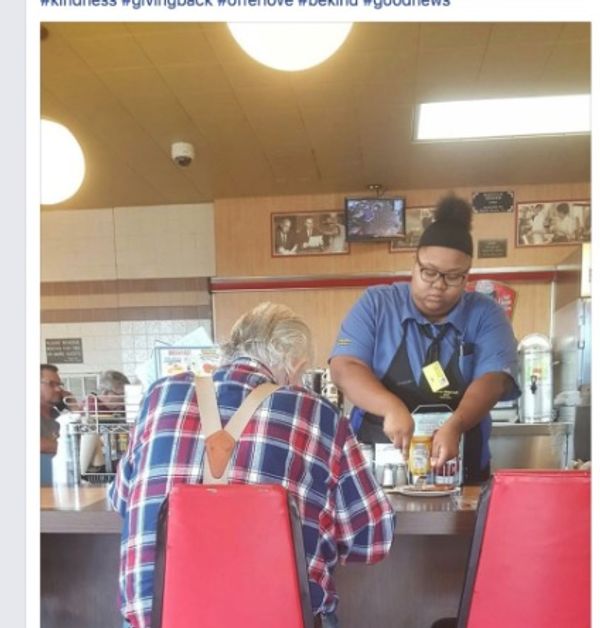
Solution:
(388, 479)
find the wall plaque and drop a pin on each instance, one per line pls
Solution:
(493, 202)
(492, 248)
(64, 351)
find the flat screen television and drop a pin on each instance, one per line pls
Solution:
(373, 219)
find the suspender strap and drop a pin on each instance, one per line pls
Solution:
(220, 443)
(207, 406)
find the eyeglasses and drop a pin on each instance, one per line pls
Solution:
(51, 383)
(430, 275)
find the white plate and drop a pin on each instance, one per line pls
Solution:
(411, 491)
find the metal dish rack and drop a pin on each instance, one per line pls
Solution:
(114, 438)
(114, 433)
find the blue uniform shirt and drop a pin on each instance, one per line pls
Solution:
(375, 326)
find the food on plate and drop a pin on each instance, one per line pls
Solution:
(430, 487)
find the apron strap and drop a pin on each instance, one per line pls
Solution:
(220, 442)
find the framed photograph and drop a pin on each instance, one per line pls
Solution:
(417, 220)
(173, 360)
(308, 233)
(545, 223)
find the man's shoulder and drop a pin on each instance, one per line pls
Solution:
(179, 382)
(300, 393)
(306, 405)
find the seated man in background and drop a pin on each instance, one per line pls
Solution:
(108, 403)
(295, 438)
(54, 400)
(109, 400)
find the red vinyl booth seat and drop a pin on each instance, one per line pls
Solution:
(529, 565)
(230, 556)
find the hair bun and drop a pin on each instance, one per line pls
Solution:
(454, 209)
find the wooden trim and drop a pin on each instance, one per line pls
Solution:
(115, 286)
(218, 284)
(115, 314)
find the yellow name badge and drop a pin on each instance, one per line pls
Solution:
(435, 376)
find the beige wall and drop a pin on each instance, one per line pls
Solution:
(243, 234)
(128, 243)
(124, 279)
(324, 310)
(243, 246)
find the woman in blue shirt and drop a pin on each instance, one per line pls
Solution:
(394, 332)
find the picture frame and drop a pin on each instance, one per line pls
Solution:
(552, 223)
(417, 220)
(308, 233)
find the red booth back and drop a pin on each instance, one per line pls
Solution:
(228, 558)
(532, 569)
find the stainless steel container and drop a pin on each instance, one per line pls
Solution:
(313, 379)
(535, 361)
(401, 474)
(541, 446)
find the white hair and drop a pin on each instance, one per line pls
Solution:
(272, 334)
(111, 380)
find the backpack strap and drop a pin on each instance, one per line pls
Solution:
(220, 442)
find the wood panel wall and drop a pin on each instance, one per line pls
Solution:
(324, 310)
(243, 234)
(243, 247)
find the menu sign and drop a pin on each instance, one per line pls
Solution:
(504, 295)
(173, 360)
(493, 202)
(64, 351)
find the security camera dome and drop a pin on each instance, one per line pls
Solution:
(182, 153)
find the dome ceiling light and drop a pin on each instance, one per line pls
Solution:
(290, 46)
(62, 166)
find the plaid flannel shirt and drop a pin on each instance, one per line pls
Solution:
(295, 438)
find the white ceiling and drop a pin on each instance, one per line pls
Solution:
(128, 90)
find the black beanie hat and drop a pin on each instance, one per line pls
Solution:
(452, 226)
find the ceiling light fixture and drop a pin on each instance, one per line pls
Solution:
(62, 163)
(504, 117)
(290, 46)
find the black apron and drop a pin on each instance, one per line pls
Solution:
(399, 380)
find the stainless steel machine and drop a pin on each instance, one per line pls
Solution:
(572, 343)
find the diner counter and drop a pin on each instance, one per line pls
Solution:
(420, 581)
(86, 510)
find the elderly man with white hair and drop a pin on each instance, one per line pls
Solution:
(295, 438)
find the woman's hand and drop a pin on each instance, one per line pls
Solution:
(398, 426)
(445, 445)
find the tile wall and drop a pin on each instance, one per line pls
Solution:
(124, 279)
(119, 345)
